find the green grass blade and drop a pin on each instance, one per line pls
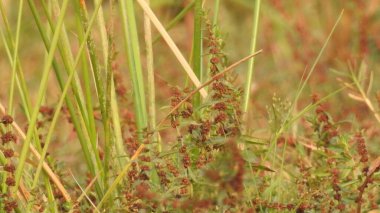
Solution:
(41, 92)
(120, 177)
(15, 56)
(133, 52)
(151, 85)
(197, 46)
(251, 63)
(62, 98)
(75, 116)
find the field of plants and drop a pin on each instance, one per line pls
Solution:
(189, 106)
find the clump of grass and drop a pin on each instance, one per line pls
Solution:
(201, 156)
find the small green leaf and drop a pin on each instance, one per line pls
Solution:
(252, 140)
(261, 167)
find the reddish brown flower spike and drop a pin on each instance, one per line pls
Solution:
(341, 207)
(192, 127)
(185, 181)
(220, 118)
(46, 111)
(323, 118)
(9, 168)
(144, 168)
(214, 50)
(221, 106)
(319, 109)
(182, 149)
(174, 123)
(9, 206)
(186, 161)
(213, 68)
(361, 147)
(214, 60)
(10, 181)
(8, 137)
(314, 98)
(7, 119)
(8, 153)
(183, 191)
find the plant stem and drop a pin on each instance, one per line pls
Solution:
(251, 62)
(151, 85)
(41, 92)
(134, 62)
(176, 19)
(172, 46)
(197, 46)
(15, 57)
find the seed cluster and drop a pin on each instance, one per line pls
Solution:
(8, 139)
(361, 147)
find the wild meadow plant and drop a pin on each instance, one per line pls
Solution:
(198, 153)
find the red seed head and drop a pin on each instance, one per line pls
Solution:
(10, 181)
(6, 119)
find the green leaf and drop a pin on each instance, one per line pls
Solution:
(253, 140)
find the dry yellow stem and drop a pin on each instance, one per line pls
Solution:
(45, 166)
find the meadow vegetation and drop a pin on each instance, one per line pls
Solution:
(189, 106)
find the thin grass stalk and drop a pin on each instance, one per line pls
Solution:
(214, 24)
(150, 73)
(251, 63)
(62, 98)
(20, 80)
(103, 34)
(134, 62)
(41, 92)
(365, 97)
(216, 12)
(48, 170)
(64, 48)
(312, 68)
(73, 112)
(51, 199)
(93, 59)
(120, 177)
(84, 194)
(85, 119)
(15, 57)
(85, 191)
(108, 57)
(17, 75)
(118, 137)
(101, 89)
(172, 46)
(20, 83)
(109, 139)
(155, 137)
(176, 20)
(112, 139)
(285, 125)
(88, 93)
(197, 46)
(119, 142)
